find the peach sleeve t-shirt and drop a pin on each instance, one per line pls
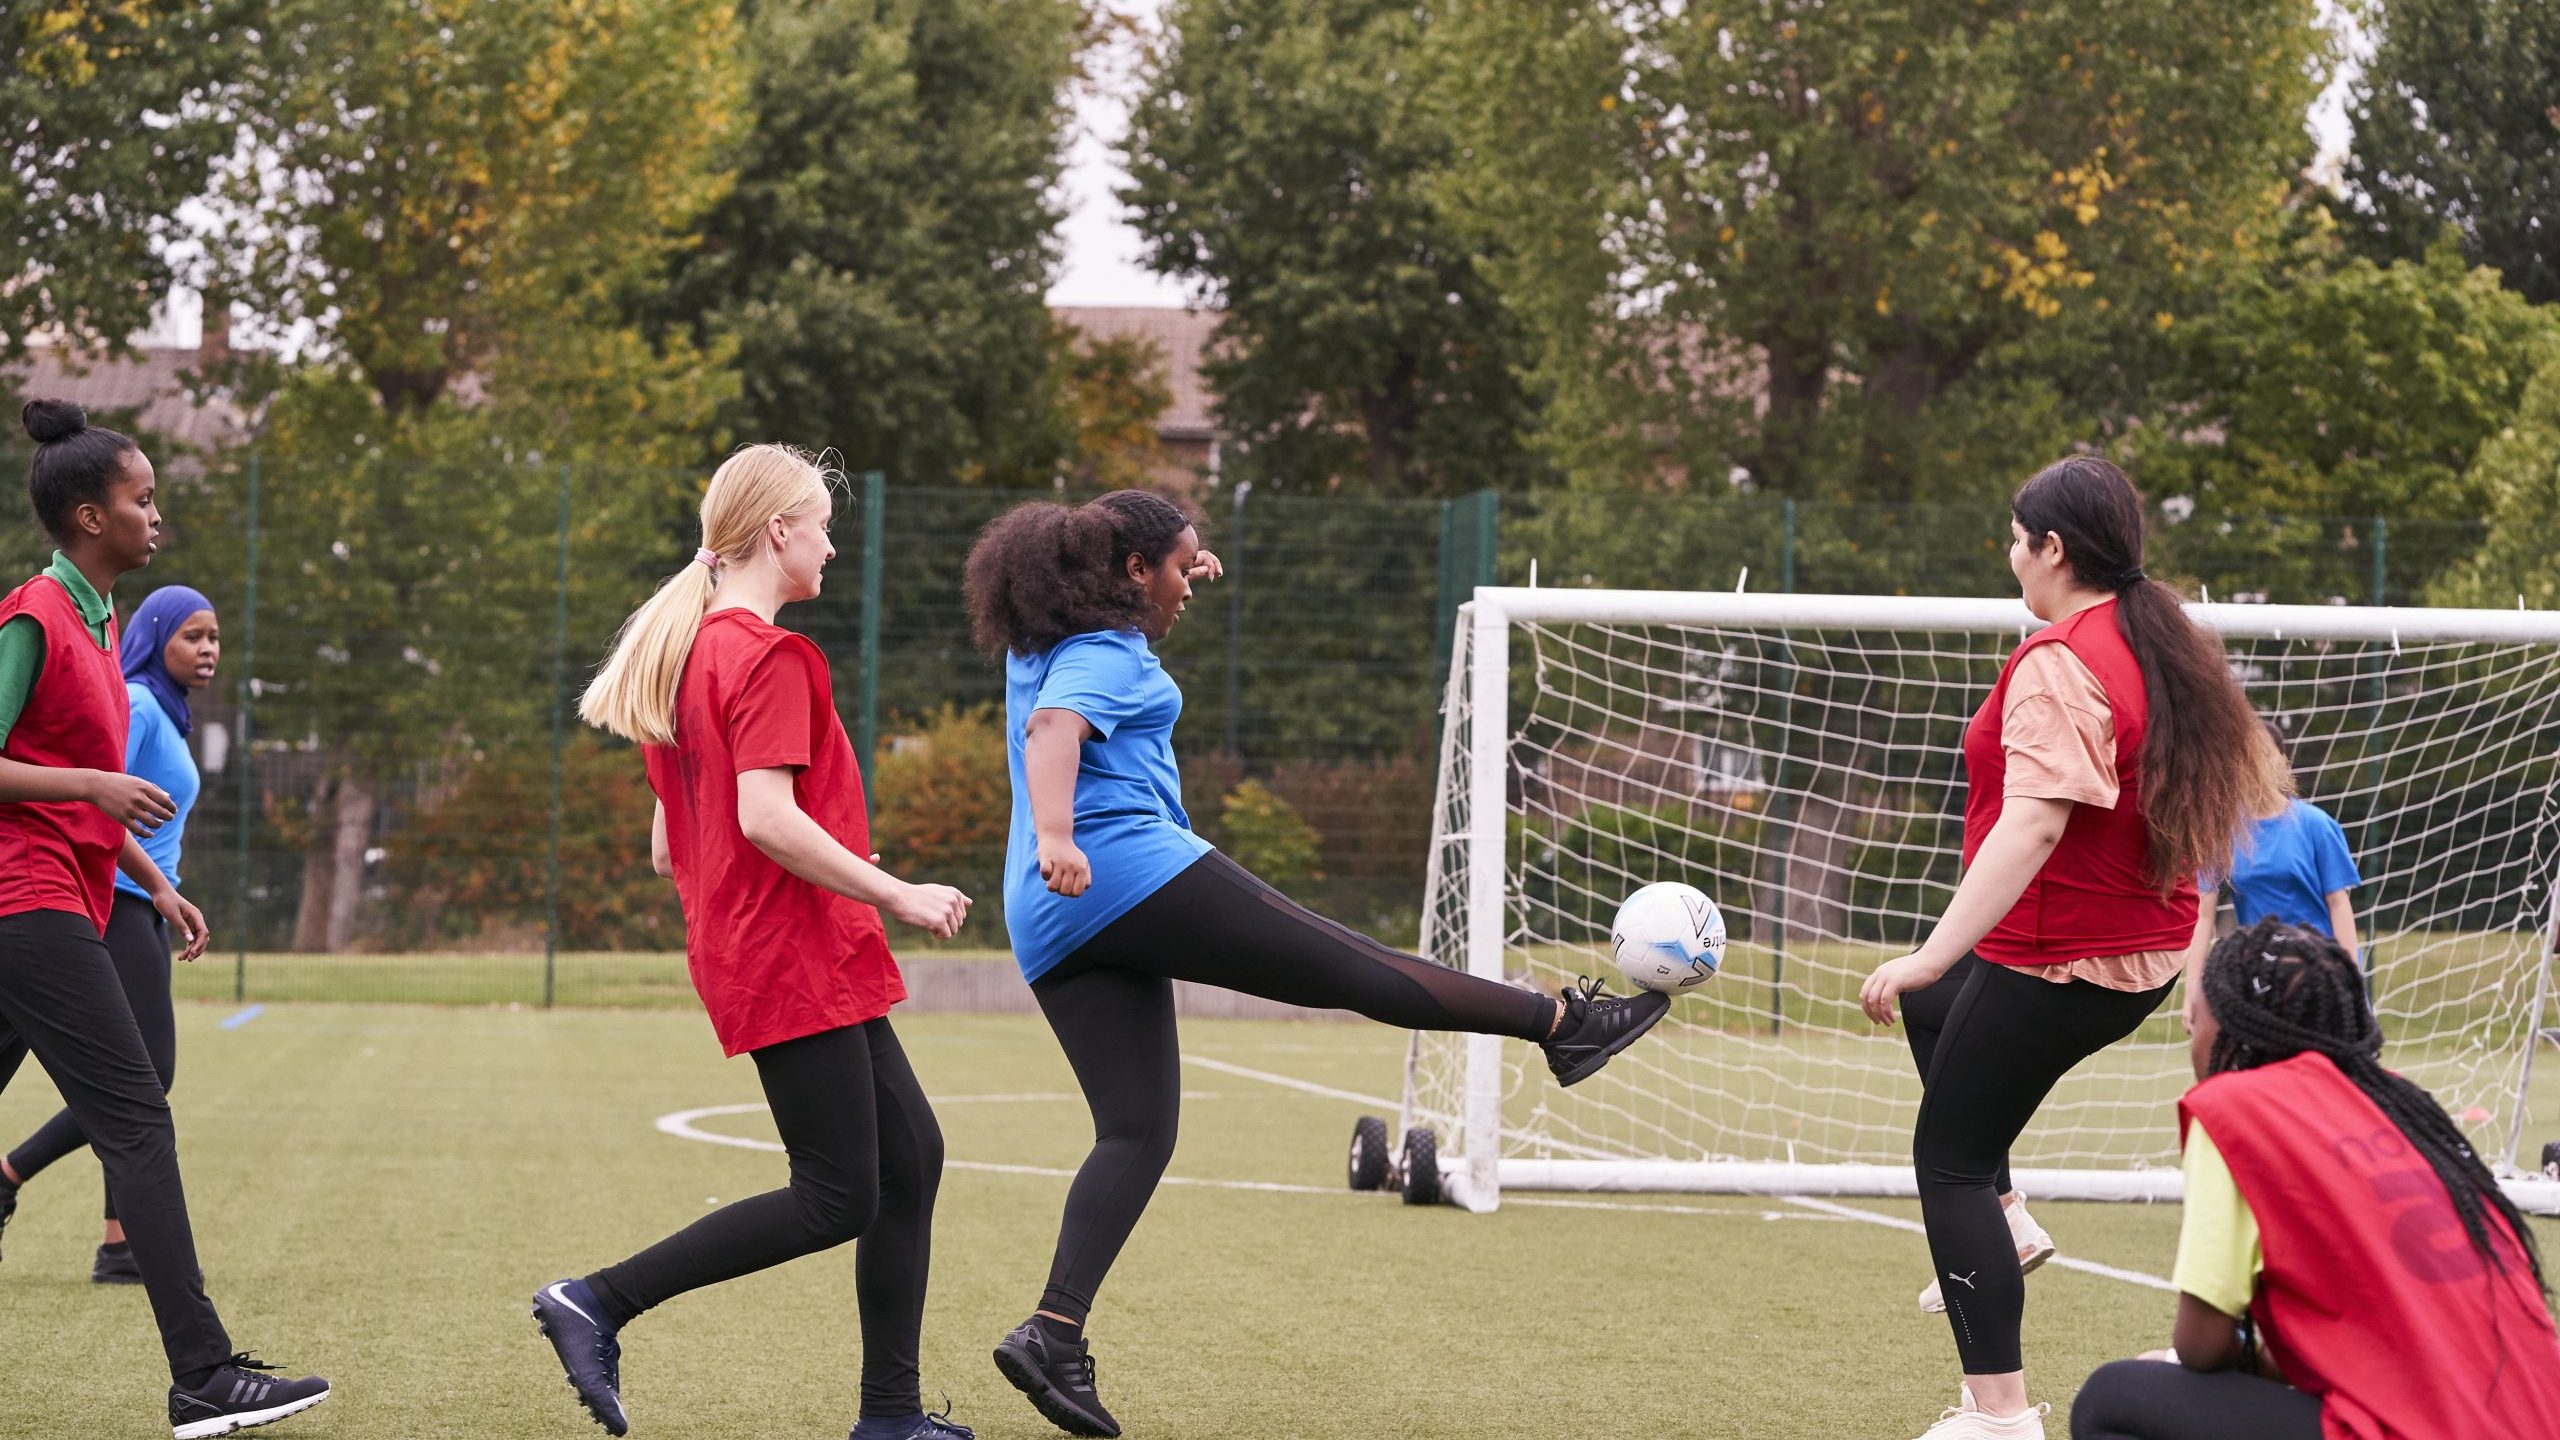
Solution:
(2059, 733)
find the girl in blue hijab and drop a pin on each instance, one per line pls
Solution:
(169, 651)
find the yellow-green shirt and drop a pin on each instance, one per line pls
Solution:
(22, 640)
(2218, 1255)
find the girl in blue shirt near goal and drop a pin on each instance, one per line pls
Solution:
(169, 651)
(2295, 868)
(1110, 898)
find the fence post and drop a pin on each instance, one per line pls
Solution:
(1787, 552)
(248, 712)
(2381, 553)
(1233, 580)
(559, 720)
(875, 507)
(1470, 541)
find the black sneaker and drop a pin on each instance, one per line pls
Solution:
(1595, 1029)
(239, 1396)
(575, 1325)
(8, 1204)
(1058, 1376)
(115, 1266)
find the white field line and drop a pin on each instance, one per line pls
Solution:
(2086, 1267)
(680, 1124)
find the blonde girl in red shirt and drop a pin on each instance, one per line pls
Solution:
(761, 823)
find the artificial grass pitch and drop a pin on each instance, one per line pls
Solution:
(379, 1189)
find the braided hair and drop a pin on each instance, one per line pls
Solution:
(2278, 991)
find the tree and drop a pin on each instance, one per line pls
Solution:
(1112, 393)
(2330, 385)
(2519, 473)
(882, 262)
(1285, 159)
(2457, 123)
(1879, 252)
(118, 111)
(460, 204)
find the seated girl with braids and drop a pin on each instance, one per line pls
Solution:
(2347, 1268)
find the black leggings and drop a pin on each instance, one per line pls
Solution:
(138, 944)
(1991, 1042)
(1111, 1004)
(866, 1161)
(2147, 1400)
(60, 999)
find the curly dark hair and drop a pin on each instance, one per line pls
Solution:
(1042, 572)
(2278, 991)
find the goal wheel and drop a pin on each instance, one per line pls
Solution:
(1421, 1167)
(2551, 1159)
(1369, 1153)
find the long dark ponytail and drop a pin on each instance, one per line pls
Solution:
(2208, 768)
(2278, 991)
(1043, 571)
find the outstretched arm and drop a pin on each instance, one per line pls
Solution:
(770, 815)
(2028, 830)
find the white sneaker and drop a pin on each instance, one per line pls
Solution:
(2034, 1248)
(1965, 1420)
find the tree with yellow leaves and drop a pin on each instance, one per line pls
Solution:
(457, 209)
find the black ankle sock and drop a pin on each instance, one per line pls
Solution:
(194, 1379)
(117, 1247)
(1058, 1330)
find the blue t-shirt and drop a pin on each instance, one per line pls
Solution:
(2294, 861)
(155, 751)
(1129, 819)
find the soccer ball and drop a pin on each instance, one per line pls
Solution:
(1667, 937)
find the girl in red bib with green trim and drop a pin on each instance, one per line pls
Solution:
(69, 819)
(2347, 1268)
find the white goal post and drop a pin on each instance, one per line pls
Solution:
(1797, 757)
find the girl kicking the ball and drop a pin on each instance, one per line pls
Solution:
(2346, 1265)
(1110, 897)
(2114, 759)
(761, 823)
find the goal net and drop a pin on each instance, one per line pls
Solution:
(1798, 758)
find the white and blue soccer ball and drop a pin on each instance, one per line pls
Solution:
(1668, 937)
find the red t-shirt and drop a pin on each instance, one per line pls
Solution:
(61, 855)
(773, 957)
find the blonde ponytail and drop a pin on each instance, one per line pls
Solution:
(634, 692)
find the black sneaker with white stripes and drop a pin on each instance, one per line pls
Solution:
(589, 1354)
(1056, 1371)
(1595, 1028)
(242, 1393)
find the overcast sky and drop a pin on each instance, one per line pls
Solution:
(1101, 251)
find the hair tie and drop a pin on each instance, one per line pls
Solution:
(2131, 578)
(707, 558)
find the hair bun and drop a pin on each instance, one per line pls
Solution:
(51, 420)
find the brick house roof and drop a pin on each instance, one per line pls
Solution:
(1182, 335)
(151, 381)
